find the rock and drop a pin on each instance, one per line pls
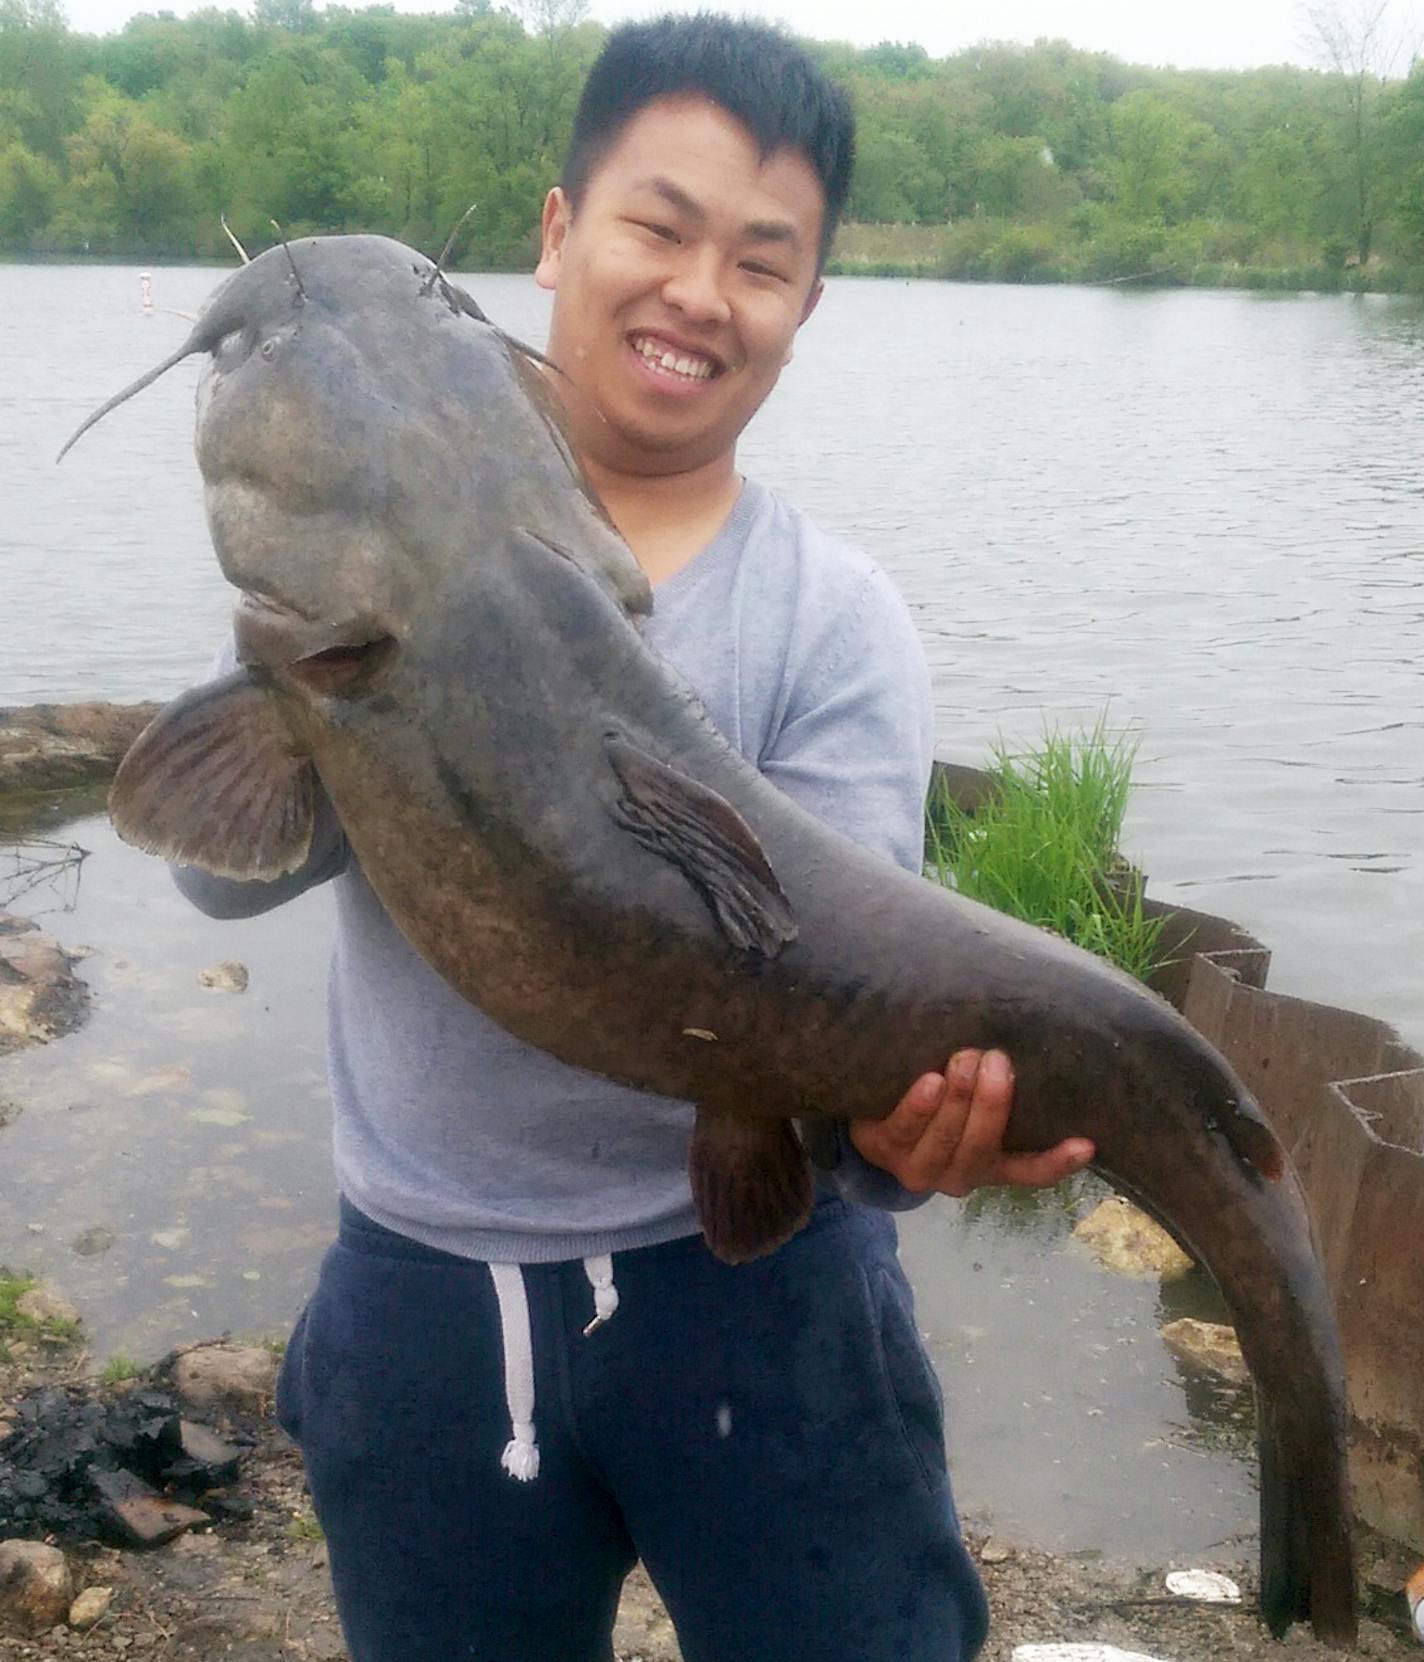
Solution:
(91, 1606)
(227, 977)
(1078, 1653)
(40, 996)
(206, 1455)
(1128, 1242)
(53, 747)
(35, 1587)
(1206, 1586)
(89, 1243)
(996, 1551)
(138, 1514)
(44, 1304)
(1208, 1347)
(235, 1376)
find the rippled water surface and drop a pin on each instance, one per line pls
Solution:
(1201, 511)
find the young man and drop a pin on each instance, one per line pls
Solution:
(518, 1249)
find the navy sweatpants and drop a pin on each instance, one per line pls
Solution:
(768, 1438)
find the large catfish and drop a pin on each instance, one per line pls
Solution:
(439, 626)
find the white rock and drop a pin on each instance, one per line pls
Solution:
(1078, 1653)
(35, 1587)
(1206, 1585)
(1127, 1241)
(227, 977)
(91, 1606)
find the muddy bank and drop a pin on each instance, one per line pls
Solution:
(257, 1589)
(58, 747)
(260, 1592)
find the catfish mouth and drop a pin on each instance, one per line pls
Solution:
(334, 659)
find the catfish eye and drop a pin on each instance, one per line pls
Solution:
(345, 671)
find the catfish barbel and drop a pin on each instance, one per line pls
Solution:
(439, 627)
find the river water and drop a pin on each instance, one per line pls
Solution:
(1198, 512)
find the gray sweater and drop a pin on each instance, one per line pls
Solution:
(454, 1133)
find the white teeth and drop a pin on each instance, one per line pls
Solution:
(694, 369)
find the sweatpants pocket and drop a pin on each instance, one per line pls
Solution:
(910, 1378)
(289, 1381)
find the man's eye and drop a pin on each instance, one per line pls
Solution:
(757, 269)
(664, 232)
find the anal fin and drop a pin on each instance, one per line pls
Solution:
(215, 781)
(751, 1183)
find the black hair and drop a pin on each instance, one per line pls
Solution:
(756, 74)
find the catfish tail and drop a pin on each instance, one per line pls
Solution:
(1307, 1565)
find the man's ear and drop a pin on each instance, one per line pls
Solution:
(554, 228)
(818, 288)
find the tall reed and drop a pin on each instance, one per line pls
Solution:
(1043, 846)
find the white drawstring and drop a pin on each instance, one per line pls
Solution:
(605, 1295)
(521, 1454)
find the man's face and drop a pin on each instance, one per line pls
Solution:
(679, 284)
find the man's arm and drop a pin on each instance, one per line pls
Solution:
(228, 897)
(855, 750)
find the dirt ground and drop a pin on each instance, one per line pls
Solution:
(258, 1591)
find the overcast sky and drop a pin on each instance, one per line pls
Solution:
(1224, 34)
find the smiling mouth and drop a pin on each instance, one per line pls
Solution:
(677, 362)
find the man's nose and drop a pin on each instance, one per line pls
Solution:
(695, 287)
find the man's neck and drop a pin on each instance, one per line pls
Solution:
(667, 520)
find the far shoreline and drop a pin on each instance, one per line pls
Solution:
(1222, 278)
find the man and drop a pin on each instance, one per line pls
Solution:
(518, 1267)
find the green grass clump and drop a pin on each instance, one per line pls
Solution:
(118, 1369)
(12, 1289)
(304, 1527)
(1043, 846)
(15, 1325)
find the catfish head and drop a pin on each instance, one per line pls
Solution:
(372, 450)
(365, 436)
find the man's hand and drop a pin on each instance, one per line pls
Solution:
(946, 1133)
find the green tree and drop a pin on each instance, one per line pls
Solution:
(1403, 160)
(1357, 41)
(297, 17)
(1152, 169)
(28, 187)
(287, 141)
(893, 179)
(42, 68)
(130, 182)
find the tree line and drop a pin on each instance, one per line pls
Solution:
(1007, 161)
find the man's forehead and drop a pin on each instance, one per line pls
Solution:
(666, 146)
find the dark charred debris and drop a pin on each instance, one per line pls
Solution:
(80, 1464)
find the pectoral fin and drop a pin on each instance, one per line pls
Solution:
(214, 781)
(751, 1183)
(703, 835)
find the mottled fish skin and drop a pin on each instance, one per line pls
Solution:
(441, 626)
